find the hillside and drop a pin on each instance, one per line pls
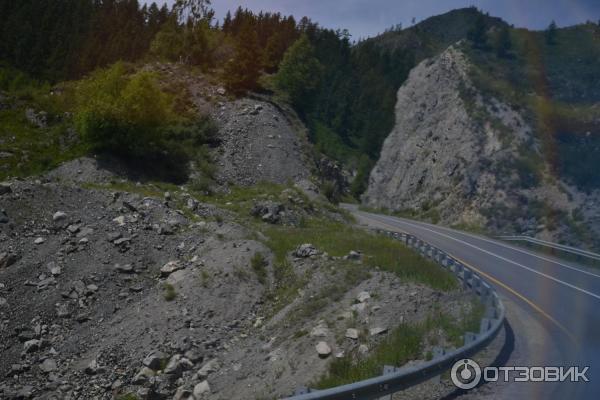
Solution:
(433, 35)
(504, 141)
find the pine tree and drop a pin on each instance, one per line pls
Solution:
(502, 42)
(243, 70)
(193, 10)
(299, 72)
(227, 22)
(550, 33)
(478, 33)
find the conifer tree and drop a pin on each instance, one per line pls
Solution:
(243, 70)
(550, 33)
(502, 42)
(299, 72)
(478, 33)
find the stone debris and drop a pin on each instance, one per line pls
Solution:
(59, 216)
(363, 297)
(323, 349)
(352, 333)
(170, 267)
(377, 331)
(202, 389)
(306, 250)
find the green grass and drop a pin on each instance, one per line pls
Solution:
(154, 189)
(380, 251)
(346, 277)
(205, 278)
(405, 343)
(128, 396)
(337, 239)
(169, 292)
(259, 266)
(34, 150)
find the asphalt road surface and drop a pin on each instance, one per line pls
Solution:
(553, 307)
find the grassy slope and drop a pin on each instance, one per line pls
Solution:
(34, 150)
(405, 343)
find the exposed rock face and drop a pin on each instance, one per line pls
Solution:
(456, 156)
(429, 147)
(258, 144)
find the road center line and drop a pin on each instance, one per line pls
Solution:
(505, 259)
(507, 246)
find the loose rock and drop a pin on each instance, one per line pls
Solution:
(306, 250)
(201, 389)
(170, 267)
(352, 333)
(323, 349)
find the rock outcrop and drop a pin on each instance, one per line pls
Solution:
(457, 156)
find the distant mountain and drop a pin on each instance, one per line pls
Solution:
(433, 35)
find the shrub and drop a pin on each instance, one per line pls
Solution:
(169, 292)
(126, 114)
(258, 264)
(123, 114)
(331, 192)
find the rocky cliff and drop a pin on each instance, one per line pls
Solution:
(458, 157)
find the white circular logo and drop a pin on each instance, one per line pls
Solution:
(465, 374)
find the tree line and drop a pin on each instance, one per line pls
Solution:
(344, 91)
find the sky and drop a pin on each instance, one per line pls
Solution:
(365, 18)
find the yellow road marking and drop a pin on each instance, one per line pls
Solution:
(505, 286)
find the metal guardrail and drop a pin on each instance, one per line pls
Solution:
(562, 247)
(396, 379)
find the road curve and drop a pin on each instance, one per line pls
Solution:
(553, 306)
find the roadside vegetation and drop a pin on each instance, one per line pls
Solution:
(379, 251)
(549, 77)
(403, 344)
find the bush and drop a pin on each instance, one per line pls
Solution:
(331, 192)
(126, 114)
(258, 264)
(169, 292)
(123, 114)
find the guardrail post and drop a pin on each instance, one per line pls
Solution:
(444, 260)
(388, 369)
(450, 264)
(485, 325)
(437, 352)
(467, 274)
(458, 270)
(302, 390)
(470, 337)
(485, 291)
(476, 283)
(440, 256)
